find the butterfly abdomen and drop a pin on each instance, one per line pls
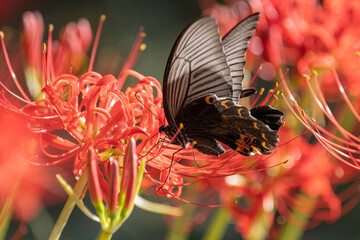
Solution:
(268, 115)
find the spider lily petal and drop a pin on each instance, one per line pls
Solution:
(94, 185)
(129, 177)
(113, 186)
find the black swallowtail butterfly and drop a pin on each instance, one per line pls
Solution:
(202, 87)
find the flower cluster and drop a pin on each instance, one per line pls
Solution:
(302, 191)
(84, 118)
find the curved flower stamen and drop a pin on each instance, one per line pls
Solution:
(344, 148)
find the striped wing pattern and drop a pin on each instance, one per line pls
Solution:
(201, 64)
(235, 44)
(197, 66)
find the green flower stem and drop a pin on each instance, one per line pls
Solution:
(104, 235)
(261, 226)
(4, 226)
(158, 207)
(80, 204)
(291, 232)
(299, 216)
(69, 206)
(171, 235)
(6, 210)
(218, 225)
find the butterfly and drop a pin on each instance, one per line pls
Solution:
(202, 87)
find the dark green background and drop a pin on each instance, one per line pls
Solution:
(163, 21)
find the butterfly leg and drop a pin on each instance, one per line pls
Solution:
(161, 140)
(171, 163)
(192, 144)
(197, 164)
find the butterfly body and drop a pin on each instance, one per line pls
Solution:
(202, 87)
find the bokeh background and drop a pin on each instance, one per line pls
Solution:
(163, 20)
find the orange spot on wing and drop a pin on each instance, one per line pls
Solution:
(209, 100)
(223, 103)
(264, 145)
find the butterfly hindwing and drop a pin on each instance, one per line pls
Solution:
(210, 118)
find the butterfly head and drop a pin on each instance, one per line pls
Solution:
(177, 136)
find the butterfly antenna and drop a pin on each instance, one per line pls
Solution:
(137, 95)
(197, 164)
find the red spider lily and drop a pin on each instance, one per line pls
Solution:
(95, 115)
(338, 141)
(129, 177)
(67, 55)
(304, 185)
(302, 34)
(90, 108)
(24, 188)
(120, 195)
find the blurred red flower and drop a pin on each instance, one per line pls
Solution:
(303, 188)
(301, 34)
(24, 188)
(66, 55)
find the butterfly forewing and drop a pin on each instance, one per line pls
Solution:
(201, 63)
(235, 44)
(196, 67)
